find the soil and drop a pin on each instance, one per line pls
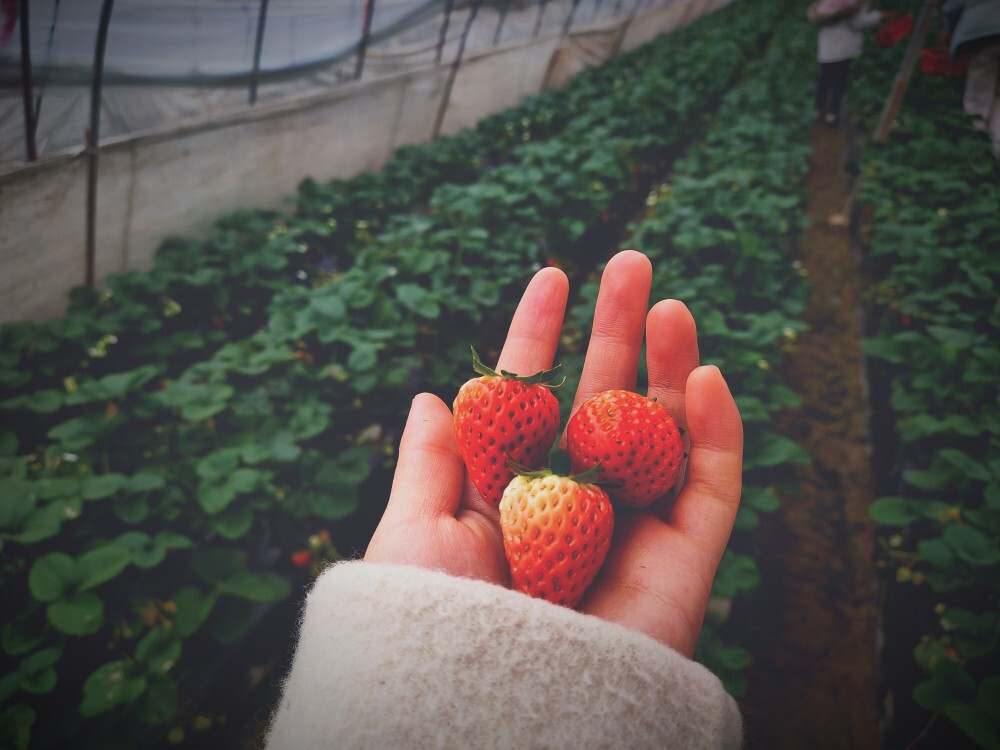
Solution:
(814, 679)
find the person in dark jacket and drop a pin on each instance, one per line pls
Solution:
(975, 28)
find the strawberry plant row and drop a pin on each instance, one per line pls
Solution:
(202, 293)
(930, 200)
(718, 232)
(132, 525)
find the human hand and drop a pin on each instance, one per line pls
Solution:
(658, 574)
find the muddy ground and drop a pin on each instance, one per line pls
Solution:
(814, 680)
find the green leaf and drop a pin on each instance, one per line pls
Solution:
(18, 501)
(100, 486)
(8, 444)
(893, 511)
(936, 552)
(81, 614)
(102, 564)
(172, 540)
(218, 464)
(42, 402)
(966, 464)
(159, 702)
(215, 497)
(976, 723)
(15, 726)
(230, 621)
(40, 661)
(763, 499)
(952, 337)
(144, 482)
(52, 576)
(159, 650)
(146, 554)
(883, 347)
(255, 587)
(118, 385)
(989, 696)
(78, 433)
(234, 522)
(193, 608)
(774, 450)
(52, 487)
(36, 673)
(10, 683)
(736, 573)
(215, 565)
(932, 481)
(110, 685)
(19, 639)
(363, 357)
(330, 306)
(971, 545)
(132, 510)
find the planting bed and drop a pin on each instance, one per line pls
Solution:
(184, 436)
(929, 223)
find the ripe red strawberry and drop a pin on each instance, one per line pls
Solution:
(634, 438)
(556, 532)
(501, 415)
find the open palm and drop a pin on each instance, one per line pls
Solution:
(659, 572)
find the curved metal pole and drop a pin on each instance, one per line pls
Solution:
(27, 85)
(454, 69)
(569, 18)
(538, 20)
(257, 48)
(48, 56)
(366, 32)
(443, 33)
(93, 136)
(503, 17)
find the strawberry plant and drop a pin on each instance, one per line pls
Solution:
(931, 197)
(181, 434)
(717, 232)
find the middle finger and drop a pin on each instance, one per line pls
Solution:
(619, 319)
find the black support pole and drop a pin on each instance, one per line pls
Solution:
(443, 33)
(538, 20)
(257, 48)
(453, 71)
(94, 134)
(366, 33)
(48, 54)
(27, 85)
(569, 17)
(503, 17)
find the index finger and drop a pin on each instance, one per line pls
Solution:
(533, 336)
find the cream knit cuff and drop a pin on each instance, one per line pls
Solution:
(400, 657)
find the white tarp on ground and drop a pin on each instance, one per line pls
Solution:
(170, 62)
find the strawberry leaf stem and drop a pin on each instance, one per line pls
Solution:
(542, 377)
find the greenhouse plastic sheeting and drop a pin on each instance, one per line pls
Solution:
(169, 63)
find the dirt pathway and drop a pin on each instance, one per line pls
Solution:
(814, 681)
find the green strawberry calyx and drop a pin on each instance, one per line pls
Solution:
(560, 465)
(542, 377)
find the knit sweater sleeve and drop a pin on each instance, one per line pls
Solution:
(392, 656)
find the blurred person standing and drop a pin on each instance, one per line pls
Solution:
(975, 30)
(840, 38)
